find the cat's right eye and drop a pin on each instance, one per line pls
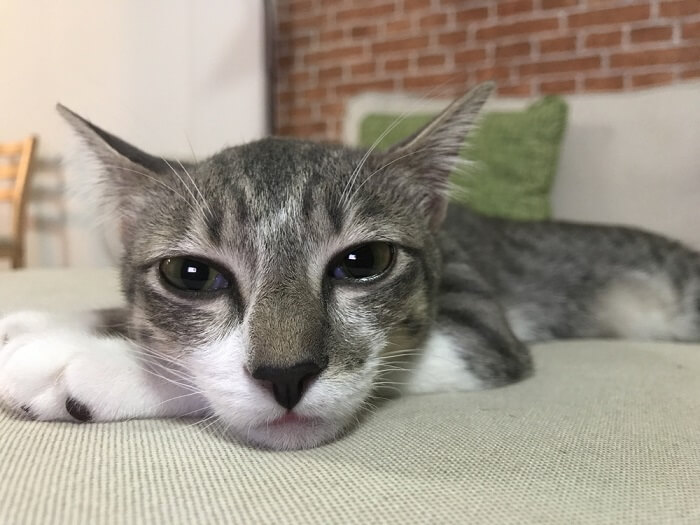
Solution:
(192, 275)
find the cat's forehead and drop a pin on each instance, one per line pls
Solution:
(264, 184)
(281, 167)
(278, 181)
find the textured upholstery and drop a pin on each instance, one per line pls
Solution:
(605, 432)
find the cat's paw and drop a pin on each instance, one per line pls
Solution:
(62, 374)
(23, 323)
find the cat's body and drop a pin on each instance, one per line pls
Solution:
(280, 284)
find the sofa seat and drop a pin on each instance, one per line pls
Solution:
(604, 432)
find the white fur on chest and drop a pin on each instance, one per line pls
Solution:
(441, 368)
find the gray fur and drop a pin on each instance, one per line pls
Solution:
(271, 214)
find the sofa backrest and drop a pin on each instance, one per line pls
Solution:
(629, 158)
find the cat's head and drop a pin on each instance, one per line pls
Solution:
(283, 276)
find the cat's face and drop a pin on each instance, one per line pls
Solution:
(281, 276)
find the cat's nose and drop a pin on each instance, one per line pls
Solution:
(288, 384)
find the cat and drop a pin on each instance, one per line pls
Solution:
(278, 285)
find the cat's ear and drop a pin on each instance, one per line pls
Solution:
(120, 175)
(426, 159)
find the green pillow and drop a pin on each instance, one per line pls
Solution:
(512, 157)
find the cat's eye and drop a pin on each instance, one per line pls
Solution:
(362, 262)
(192, 275)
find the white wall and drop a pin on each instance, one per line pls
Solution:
(161, 74)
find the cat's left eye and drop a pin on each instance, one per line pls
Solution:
(192, 275)
(362, 263)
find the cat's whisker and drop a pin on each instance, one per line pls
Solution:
(174, 371)
(201, 196)
(348, 187)
(189, 143)
(354, 193)
(157, 181)
(194, 199)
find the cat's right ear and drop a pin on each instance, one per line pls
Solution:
(120, 174)
(426, 159)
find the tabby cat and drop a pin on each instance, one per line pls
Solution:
(279, 284)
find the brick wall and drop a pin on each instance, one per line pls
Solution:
(329, 50)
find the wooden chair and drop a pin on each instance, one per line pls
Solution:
(15, 163)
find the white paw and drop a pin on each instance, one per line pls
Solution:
(26, 322)
(55, 373)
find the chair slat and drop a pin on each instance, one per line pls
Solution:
(9, 171)
(7, 194)
(11, 148)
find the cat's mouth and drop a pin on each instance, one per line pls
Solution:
(291, 419)
(293, 431)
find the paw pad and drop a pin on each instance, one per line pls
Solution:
(78, 410)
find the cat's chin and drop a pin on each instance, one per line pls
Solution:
(292, 433)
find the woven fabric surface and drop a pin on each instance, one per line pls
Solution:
(606, 432)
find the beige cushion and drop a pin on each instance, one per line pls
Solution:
(605, 432)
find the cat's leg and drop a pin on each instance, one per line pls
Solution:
(56, 368)
(472, 347)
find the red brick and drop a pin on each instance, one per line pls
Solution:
(329, 74)
(364, 68)
(369, 85)
(336, 109)
(396, 64)
(453, 38)
(299, 77)
(429, 81)
(299, 7)
(285, 27)
(364, 13)
(398, 26)
(285, 61)
(651, 34)
(363, 31)
(604, 83)
(300, 41)
(299, 113)
(308, 129)
(471, 15)
(557, 86)
(410, 5)
(311, 21)
(690, 73)
(608, 39)
(679, 8)
(558, 45)
(469, 56)
(517, 28)
(513, 50)
(315, 93)
(653, 57)
(433, 20)
(492, 73)
(561, 66)
(431, 60)
(614, 15)
(336, 54)
(691, 30)
(286, 97)
(514, 90)
(404, 44)
(558, 4)
(652, 79)
(513, 7)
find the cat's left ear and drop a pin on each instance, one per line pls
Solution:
(426, 159)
